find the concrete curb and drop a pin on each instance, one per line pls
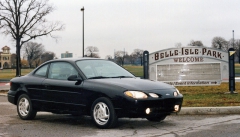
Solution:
(209, 110)
(4, 80)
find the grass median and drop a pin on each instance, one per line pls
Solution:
(194, 96)
(210, 96)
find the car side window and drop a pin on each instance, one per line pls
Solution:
(61, 71)
(42, 71)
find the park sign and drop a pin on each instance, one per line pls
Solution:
(189, 66)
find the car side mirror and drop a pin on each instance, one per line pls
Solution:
(74, 78)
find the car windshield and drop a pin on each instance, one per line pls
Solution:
(95, 69)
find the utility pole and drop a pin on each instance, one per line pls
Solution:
(82, 9)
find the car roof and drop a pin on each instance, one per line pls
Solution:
(74, 59)
(70, 60)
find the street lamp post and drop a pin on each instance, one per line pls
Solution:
(233, 39)
(82, 9)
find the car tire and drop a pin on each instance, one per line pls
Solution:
(157, 118)
(24, 108)
(103, 113)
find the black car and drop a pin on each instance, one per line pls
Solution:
(95, 87)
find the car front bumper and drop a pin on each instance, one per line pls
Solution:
(149, 107)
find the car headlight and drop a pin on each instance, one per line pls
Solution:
(175, 94)
(135, 94)
(177, 91)
(153, 95)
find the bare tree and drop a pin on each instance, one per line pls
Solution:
(195, 43)
(132, 58)
(24, 20)
(46, 56)
(120, 56)
(109, 57)
(236, 45)
(237, 48)
(138, 54)
(32, 52)
(220, 43)
(178, 45)
(233, 45)
(92, 52)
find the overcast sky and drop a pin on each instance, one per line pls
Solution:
(138, 24)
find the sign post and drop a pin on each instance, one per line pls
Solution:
(231, 52)
(145, 64)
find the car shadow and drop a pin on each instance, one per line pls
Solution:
(86, 121)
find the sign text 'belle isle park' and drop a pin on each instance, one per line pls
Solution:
(198, 53)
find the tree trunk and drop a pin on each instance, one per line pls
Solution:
(18, 63)
(123, 61)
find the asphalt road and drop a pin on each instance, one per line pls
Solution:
(48, 124)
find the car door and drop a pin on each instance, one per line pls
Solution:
(59, 92)
(34, 85)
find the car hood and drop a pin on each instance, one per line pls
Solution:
(133, 83)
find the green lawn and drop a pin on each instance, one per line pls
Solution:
(136, 70)
(199, 96)
(237, 68)
(11, 73)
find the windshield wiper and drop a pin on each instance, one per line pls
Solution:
(123, 77)
(98, 77)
